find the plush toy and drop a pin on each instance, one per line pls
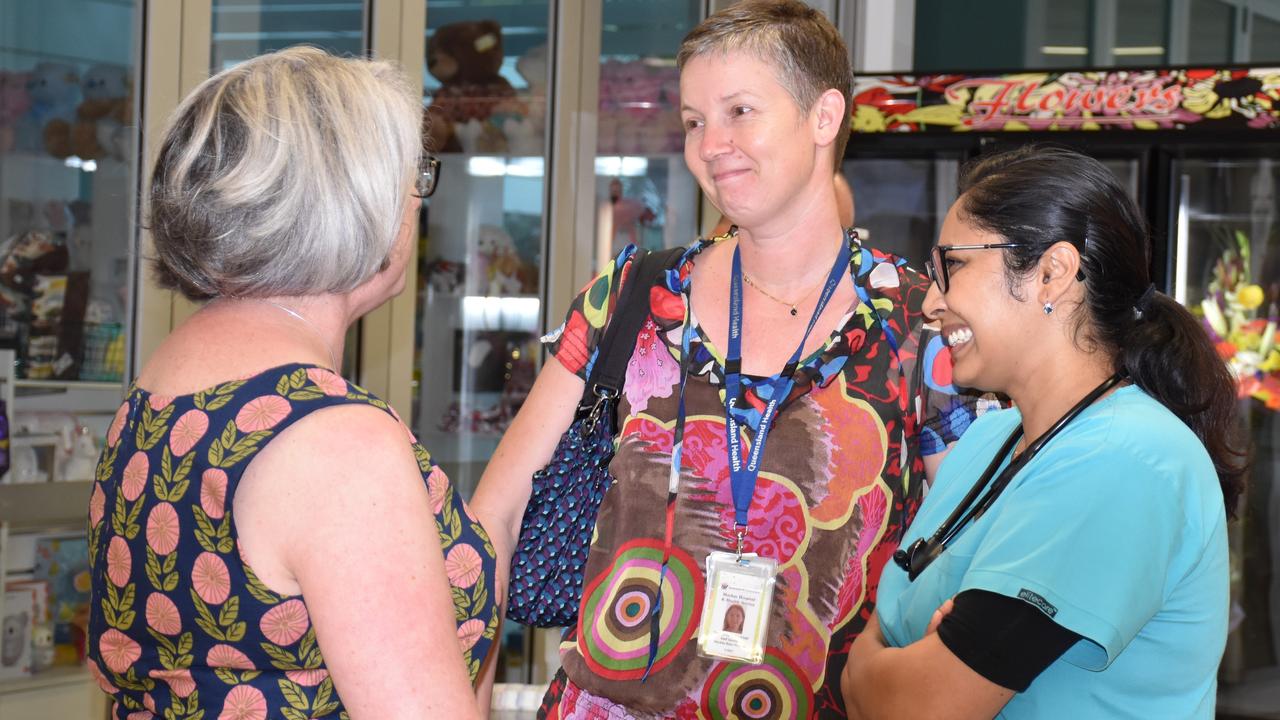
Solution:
(15, 638)
(465, 57)
(99, 130)
(480, 137)
(499, 269)
(14, 103)
(526, 129)
(54, 90)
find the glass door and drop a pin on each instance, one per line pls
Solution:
(1226, 268)
(479, 285)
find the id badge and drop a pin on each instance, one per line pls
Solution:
(735, 611)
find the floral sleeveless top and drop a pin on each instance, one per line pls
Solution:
(840, 480)
(179, 625)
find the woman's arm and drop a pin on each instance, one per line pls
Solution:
(336, 507)
(923, 679)
(526, 446)
(504, 489)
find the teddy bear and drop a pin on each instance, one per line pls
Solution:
(526, 127)
(54, 91)
(498, 268)
(14, 102)
(466, 58)
(102, 116)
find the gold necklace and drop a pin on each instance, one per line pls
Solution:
(775, 298)
(766, 294)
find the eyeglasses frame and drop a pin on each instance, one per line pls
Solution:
(428, 178)
(936, 266)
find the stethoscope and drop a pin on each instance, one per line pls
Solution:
(919, 554)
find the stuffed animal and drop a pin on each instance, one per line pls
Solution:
(14, 638)
(14, 103)
(54, 90)
(526, 129)
(499, 269)
(466, 58)
(99, 130)
(480, 137)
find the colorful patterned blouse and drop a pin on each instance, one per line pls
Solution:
(179, 624)
(840, 478)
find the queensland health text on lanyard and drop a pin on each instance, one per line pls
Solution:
(743, 476)
(739, 587)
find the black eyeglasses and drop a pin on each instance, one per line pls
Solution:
(428, 176)
(936, 265)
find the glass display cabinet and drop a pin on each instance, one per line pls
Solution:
(500, 253)
(69, 82)
(1226, 268)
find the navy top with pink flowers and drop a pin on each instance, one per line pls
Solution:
(179, 624)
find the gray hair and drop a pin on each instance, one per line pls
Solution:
(287, 174)
(804, 47)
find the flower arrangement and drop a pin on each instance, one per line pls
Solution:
(1246, 341)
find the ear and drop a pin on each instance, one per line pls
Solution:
(826, 116)
(1056, 273)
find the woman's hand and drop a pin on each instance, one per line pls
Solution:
(500, 499)
(526, 446)
(923, 679)
(938, 615)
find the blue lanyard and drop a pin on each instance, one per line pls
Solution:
(743, 478)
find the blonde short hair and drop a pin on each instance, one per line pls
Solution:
(806, 50)
(287, 174)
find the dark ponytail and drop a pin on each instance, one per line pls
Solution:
(1042, 195)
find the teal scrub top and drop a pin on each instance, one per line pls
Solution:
(1117, 531)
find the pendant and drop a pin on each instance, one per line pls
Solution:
(793, 311)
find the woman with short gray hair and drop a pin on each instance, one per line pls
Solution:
(352, 580)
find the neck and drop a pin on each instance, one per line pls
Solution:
(318, 322)
(1056, 388)
(791, 251)
(790, 264)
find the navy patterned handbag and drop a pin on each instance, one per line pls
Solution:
(555, 535)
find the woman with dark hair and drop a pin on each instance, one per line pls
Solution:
(1071, 559)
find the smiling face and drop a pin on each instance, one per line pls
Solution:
(752, 149)
(989, 330)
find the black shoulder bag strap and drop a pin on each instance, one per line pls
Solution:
(619, 341)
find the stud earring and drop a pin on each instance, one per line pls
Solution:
(1048, 308)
